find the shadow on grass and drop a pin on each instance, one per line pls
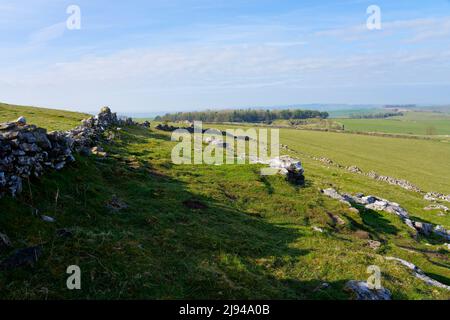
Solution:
(156, 248)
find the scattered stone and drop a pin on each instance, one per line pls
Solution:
(435, 196)
(418, 273)
(436, 207)
(99, 151)
(324, 160)
(338, 220)
(64, 233)
(116, 204)
(21, 258)
(360, 291)
(322, 286)
(394, 181)
(4, 242)
(375, 245)
(48, 219)
(317, 229)
(355, 169)
(21, 121)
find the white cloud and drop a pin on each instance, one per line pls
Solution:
(414, 30)
(47, 34)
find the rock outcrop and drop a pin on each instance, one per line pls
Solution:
(379, 204)
(28, 151)
(418, 273)
(360, 291)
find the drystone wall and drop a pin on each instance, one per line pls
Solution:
(28, 151)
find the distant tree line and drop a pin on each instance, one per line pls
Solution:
(381, 115)
(248, 115)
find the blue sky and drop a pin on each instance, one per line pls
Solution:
(155, 55)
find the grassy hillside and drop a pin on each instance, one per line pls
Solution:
(208, 231)
(48, 118)
(416, 123)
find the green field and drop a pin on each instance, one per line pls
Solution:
(422, 162)
(415, 123)
(48, 118)
(249, 237)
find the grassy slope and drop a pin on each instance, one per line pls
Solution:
(255, 239)
(417, 123)
(48, 118)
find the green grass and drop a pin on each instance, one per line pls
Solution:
(46, 118)
(414, 123)
(254, 238)
(422, 162)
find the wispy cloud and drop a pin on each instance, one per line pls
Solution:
(413, 30)
(44, 35)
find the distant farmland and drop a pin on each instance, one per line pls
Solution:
(417, 123)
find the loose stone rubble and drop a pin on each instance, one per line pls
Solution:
(28, 151)
(393, 181)
(435, 196)
(373, 175)
(418, 273)
(5, 243)
(361, 291)
(379, 204)
(354, 169)
(436, 207)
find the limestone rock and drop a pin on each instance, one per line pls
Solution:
(418, 273)
(360, 291)
(4, 242)
(374, 244)
(21, 121)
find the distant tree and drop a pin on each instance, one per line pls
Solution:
(248, 115)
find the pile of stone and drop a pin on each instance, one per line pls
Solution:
(326, 161)
(379, 204)
(354, 169)
(283, 165)
(291, 168)
(27, 151)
